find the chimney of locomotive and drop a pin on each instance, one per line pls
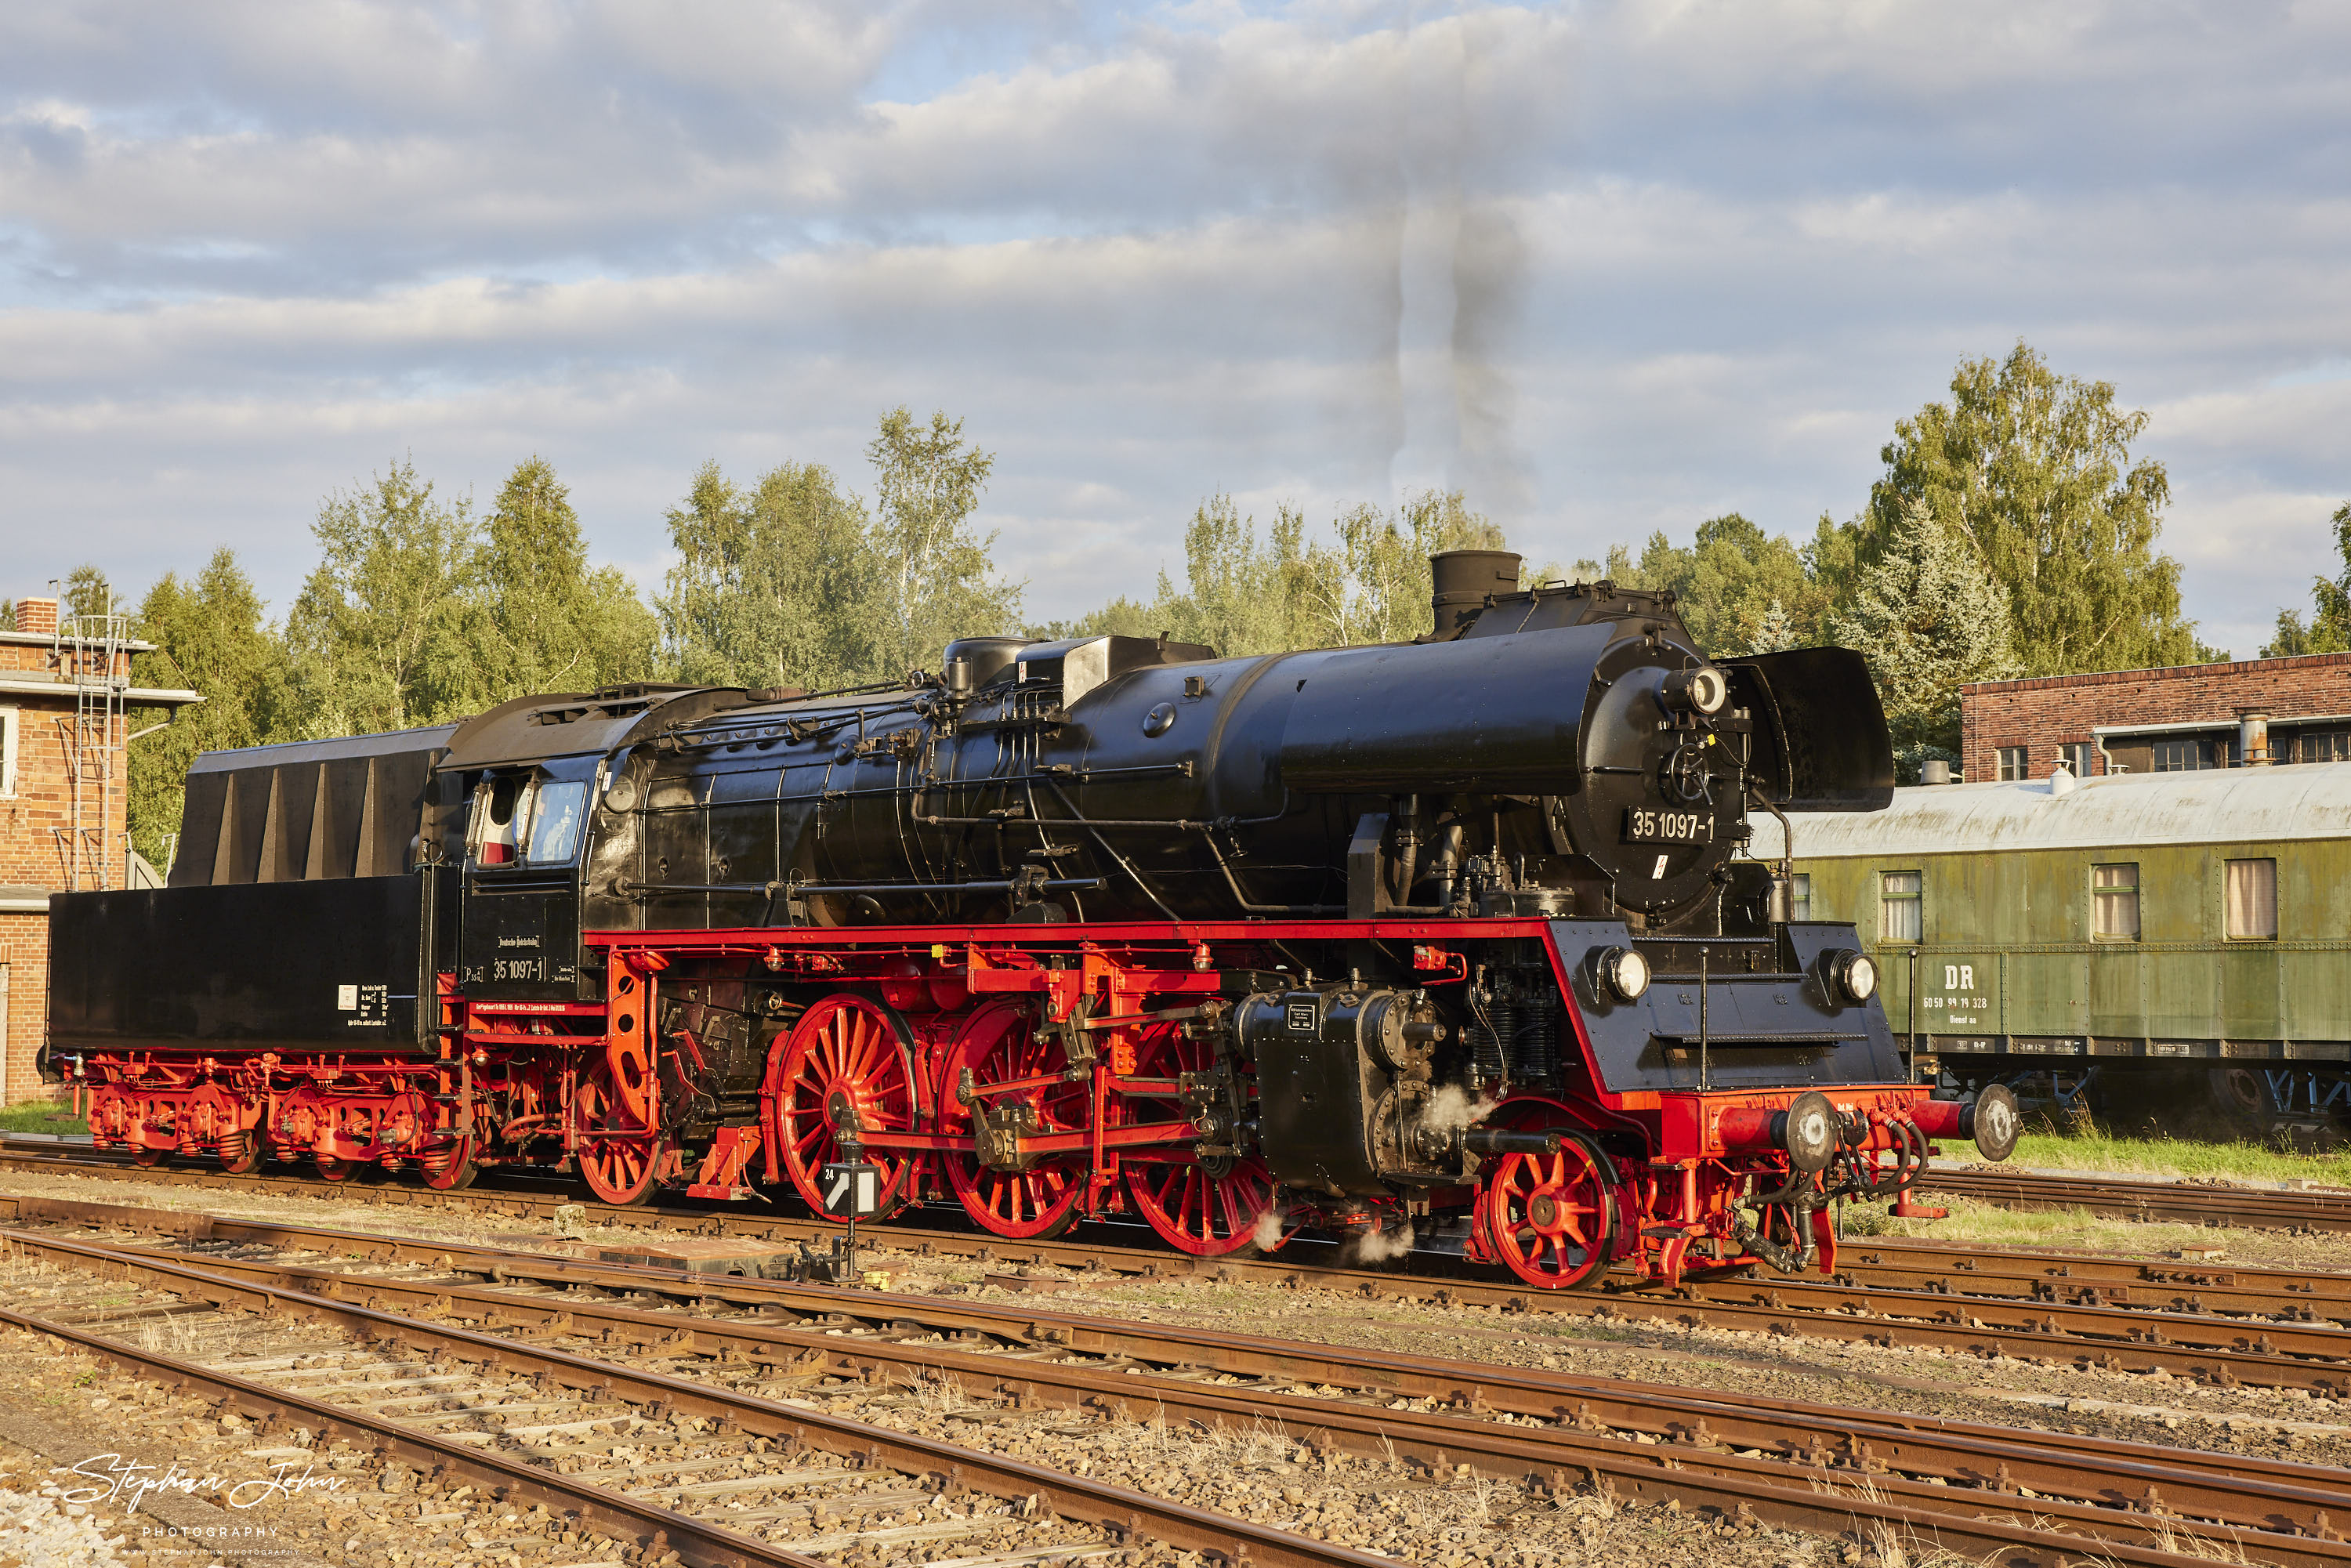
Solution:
(1463, 579)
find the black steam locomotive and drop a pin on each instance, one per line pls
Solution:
(1346, 939)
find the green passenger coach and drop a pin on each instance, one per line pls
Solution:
(2177, 944)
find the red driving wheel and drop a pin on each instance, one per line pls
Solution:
(1550, 1217)
(997, 1045)
(1210, 1211)
(846, 1060)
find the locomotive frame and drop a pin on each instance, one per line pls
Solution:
(1496, 958)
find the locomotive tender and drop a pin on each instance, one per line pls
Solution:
(1355, 938)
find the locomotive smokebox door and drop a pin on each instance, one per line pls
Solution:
(852, 1191)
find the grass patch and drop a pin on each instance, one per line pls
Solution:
(2094, 1149)
(35, 1117)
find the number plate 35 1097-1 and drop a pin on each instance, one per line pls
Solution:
(1642, 826)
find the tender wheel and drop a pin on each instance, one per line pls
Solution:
(1200, 1209)
(449, 1168)
(147, 1158)
(240, 1153)
(844, 1058)
(1550, 1217)
(619, 1159)
(334, 1169)
(999, 1046)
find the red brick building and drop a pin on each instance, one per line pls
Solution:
(2170, 720)
(64, 798)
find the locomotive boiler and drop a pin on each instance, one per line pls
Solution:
(1456, 932)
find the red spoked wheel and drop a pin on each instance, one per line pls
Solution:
(846, 1060)
(1550, 1217)
(997, 1044)
(1210, 1209)
(620, 1158)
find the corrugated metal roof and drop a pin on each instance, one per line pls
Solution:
(288, 753)
(2236, 805)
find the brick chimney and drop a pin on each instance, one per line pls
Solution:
(37, 615)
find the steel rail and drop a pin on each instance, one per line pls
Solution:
(1132, 1515)
(2095, 1479)
(697, 1541)
(2209, 1289)
(2122, 1198)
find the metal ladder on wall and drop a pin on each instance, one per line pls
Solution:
(90, 651)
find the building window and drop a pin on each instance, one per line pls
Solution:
(1800, 896)
(2012, 763)
(2324, 745)
(8, 752)
(2075, 756)
(2251, 899)
(1898, 906)
(2190, 756)
(2114, 902)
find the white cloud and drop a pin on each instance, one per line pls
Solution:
(1613, 268)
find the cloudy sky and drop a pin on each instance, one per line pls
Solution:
(1608, 266)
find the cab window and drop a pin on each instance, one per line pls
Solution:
(520, 820)
(555, 823)
(500, 807)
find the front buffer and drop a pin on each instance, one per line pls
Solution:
(1732, 1091)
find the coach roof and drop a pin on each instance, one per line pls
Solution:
(2231, 806)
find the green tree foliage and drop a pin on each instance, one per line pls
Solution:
(1740, 590)
(773, 587)
(210, 638)
(2328, 630)
(545, 620)
(1243, 595)
(2034, 472)
(88, 592)
(384, 635)
(936, 577)
(1930, 621)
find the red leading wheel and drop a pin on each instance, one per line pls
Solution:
(1550, 1217)
(845, 1061)
(997, 1045)
(1208, 1210)
(620, 1158)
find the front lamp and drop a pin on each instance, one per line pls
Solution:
(1853, 977)
(1623, 972)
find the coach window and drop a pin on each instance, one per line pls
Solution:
(2014, 763)
(2113, 902)
(555, 823)
(2251, 900)
(1898, 906)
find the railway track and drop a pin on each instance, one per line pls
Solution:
(2122, 1198)
(2026, 1495)
(640, 1461)
(2271, 1329)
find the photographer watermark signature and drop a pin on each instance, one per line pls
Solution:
(115, 1478)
